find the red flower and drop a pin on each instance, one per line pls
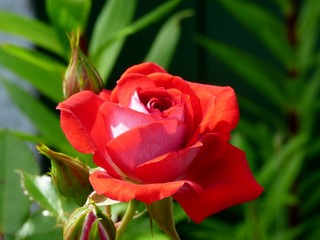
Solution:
(156, 135)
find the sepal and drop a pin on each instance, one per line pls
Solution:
(80, 74)
(161, 213)
(69, 175)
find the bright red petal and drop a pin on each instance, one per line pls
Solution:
(228, 182)
(126, 87)
(144, 69)
(140, 145)
(219, 107)
(125, 191)
(169, 167)
(81, 121)
(105, 95)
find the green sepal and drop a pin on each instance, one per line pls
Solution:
(69, 175)
(161, 213)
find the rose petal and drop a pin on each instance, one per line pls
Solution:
(144, 69)
(192, 104)
(227, 183)
(136, 104)
(125, 191)
(126, 87)
(103, 160)
(219, 107)
(169, 167)
(119, 119)
(81, 121)
(142, 144)
(105, 95)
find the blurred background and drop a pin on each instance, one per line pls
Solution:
(267, 50)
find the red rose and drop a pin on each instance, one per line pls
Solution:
(156, 135)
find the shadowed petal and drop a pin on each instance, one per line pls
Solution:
(145, 143)
(169, 167)
(227, 183)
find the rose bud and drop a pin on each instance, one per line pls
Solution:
(70, 175)
(156, 136)
(80, 74)
(89, 223)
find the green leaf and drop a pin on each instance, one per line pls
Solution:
(284, 5)
(161, 213)
(115, 15)
(44, 119)
(307, 101)
(33, 30)
(136, 26)
(280, 158)
(41, 189)
(68, 15)
(307, 33)
(270, 30)
(306, 188)
(38, 227)
(263, 77)
(42, 72)
(165, 43)
(14, 205)
(260, 112)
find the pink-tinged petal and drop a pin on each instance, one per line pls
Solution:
(144, 69)
(125, 191)
(169, 167)
(219, 107)
(228, 182)
(145, 143)
(136, 104)
(81, 121)
(103, 160)
(193, 108)
(119, 120)
(126, 87)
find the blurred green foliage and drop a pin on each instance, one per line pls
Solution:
(276, 75)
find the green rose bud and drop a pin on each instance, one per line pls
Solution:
(89, 222)
(70, 175)
(80, 74)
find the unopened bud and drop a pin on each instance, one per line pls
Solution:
(80, 74)
(89, 222)
(70, 175)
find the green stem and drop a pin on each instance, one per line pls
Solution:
(131, 210)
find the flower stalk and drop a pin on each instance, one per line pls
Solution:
(129, 214)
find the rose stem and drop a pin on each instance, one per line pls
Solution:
(131, 210)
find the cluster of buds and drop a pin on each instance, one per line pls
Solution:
(89, 222)
(80, 74)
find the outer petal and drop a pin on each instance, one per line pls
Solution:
(81, 121)
(144, 69)
(169, 167)
(145, 143)
(105, 95)
(125, 191)
(227, 183)
(219, 107)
